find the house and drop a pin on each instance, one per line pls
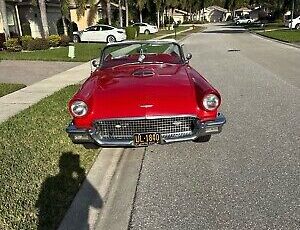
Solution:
(242, 12)
(180, 15)
(23, 17)
(86, 20)
(12, 18)
(214, 14)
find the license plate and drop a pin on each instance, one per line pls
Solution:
(145, 139)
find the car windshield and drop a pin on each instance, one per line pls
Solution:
(141, 52)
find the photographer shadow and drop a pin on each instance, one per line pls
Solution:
(58, 192)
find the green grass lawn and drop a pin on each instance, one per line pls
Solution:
(6, 88)
(160, 33)
(283, 35)
(83, 52)
(268, 26)
(40, 170)
(184, 34)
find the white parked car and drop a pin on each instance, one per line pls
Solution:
(295, 24)
(99, 33)
(146, 28)
(244, 21)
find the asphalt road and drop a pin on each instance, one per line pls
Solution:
(248, 177)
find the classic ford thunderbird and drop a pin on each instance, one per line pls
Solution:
(143, 93)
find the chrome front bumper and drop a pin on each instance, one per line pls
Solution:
(82, 136)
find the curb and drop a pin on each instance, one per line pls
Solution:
(90, 198)
(275, 40)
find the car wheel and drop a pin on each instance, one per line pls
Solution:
(76, 39)
(111, 39)
(237, 22)
(203, 139)
(297, 27)
(147, 32)
(91, 146)
(249, 22)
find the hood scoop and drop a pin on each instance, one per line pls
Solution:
(143, 73)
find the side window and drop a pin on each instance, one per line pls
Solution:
(90, 28)
(106, 28)
(93, 28)
(142, 24)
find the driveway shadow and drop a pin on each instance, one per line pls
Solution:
(235, 31)
(58, 192)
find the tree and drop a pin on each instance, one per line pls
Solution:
(141, 5)
(4, 18)
(64, 8)
(158, 6)
(43, 11)
(108, 12)
(120, 14)
(126, 13)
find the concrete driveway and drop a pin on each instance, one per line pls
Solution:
(29, 72)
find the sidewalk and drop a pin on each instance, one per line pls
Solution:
(15, 102)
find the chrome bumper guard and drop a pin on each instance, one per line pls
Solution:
(81, 136)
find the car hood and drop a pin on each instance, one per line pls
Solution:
(139, 91)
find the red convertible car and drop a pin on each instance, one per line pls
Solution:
(142, 93)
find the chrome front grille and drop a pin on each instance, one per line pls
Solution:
(170, 127)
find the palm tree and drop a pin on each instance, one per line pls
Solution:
(43, 12)
(64, 8)
(4, 18)
(126, 13)
(108, 12)
(158, 6)
(120, 13)
(141, 5)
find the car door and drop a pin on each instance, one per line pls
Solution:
(143, 27)
(90, 34)
(105, 32)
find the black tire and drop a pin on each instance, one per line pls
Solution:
(76, 39)
(110, 39)
(297, 27)
(147, 32)
(249, 22)
(237, 22)
(202, 139)
(91, 146)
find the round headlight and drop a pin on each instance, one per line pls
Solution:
(79, 108)
(211, 102)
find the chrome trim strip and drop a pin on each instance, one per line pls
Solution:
(146, 117)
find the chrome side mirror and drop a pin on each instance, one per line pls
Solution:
(95, 63)
(188, 57)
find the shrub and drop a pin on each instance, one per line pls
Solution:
(131, 32)
(64, 40)
(137, 28)
(13, 45)
(73, 27)
(2, 40)
(38, 44)
(54, 40)
(194, 22)
(25, 41)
